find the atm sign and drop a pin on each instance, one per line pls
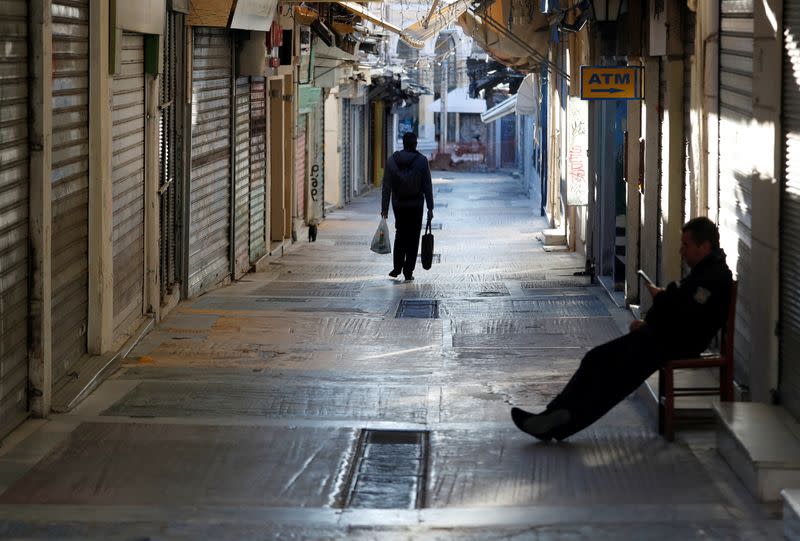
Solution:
(611, 83)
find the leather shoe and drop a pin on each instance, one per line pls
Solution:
(541, 426)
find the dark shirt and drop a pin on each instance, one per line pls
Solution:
(418, 164)
(689, 313)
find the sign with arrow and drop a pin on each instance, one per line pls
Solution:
(612, 82)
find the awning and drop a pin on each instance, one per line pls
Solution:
(528, 96)
(329, 63)
(428, 28)
(500, 110)
(254, 14)
(523, 46)
(459, 102)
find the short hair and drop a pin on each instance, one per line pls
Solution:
(702, 229)
(409, 141)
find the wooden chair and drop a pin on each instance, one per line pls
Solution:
(722, 360)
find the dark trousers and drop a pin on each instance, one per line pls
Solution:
(408, 225)
(607, 374)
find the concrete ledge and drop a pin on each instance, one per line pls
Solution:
(791, 514)
(761, 443)
(554, 237)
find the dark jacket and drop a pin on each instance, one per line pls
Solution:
(405, 159)
(689, 313)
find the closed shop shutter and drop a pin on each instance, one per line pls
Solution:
(359, 145)
(736, 165)
(300, 164)
(169, 152)
(210, 187)
(70, 183)
(14, 186)
(258, 168)
(347, 180)
(242, 176)
(790, 216)
(690, 152)
(127, 173)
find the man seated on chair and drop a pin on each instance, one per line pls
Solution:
(680, 324)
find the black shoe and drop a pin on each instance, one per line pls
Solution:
(409, 278)
(394, 273)
(542, 425)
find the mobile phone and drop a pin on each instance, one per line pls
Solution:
(647, 279)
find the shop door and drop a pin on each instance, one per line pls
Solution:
(210, 185)
(70, 183)
(258, 168)
(736, 163)
(347, 180)
(300, 167)
(789, 341)
(127, 173)
(170, 153)
(14, 190)
(241, 162)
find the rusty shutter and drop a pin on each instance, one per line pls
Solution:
(736, 162)
(241, 160)
(300, 166)
(789, 341)
(127, 173)
(14, 186)
(70, 183)
(346, 150)
(210, 185)
(258, 168)
(169, 153)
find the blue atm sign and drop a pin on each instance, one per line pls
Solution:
(611, 83)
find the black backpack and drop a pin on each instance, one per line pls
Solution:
(409, 184)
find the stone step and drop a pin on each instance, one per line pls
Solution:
(791, 514)
(554, 237)
(761, 443)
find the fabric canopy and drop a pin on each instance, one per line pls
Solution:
(528, 96)
(522, 46)
(459, 102)
(500, 110)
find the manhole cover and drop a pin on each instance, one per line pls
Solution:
(418, 308)
(389, 470)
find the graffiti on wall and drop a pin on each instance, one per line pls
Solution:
(577, 158)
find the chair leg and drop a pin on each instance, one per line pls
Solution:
(669, 405)
(661, 378)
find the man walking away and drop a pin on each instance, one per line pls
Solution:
(408, 180)
(682, 321)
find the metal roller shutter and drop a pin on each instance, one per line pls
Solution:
(14, 186)
(300, 166)
(169, 154)
(127, 173)
(359, 178)
(241, 160)
(210, 188)
(70, 182)
(258, 168)
(347, 181)
(789, 341)
(735, 160)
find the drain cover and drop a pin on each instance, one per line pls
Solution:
(418, 308)
(389, 470)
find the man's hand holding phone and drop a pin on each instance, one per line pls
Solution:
(651, 286)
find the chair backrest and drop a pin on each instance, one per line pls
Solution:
(729, 330)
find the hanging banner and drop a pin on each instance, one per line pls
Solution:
(577, 159)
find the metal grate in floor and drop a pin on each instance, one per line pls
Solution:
(418, 308)
(389, 470)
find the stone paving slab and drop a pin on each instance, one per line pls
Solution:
(150, 464)
(513, 332)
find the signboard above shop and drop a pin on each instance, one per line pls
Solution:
(612, 82)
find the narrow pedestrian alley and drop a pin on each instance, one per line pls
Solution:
(322, 399)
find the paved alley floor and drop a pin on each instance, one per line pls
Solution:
(322, 399)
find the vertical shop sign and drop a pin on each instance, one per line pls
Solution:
(577, 159)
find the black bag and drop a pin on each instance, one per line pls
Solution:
(427, 247)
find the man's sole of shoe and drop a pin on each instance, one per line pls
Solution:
(539, 426)
(394, 273)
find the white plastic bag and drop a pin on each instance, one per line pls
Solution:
(380, 241)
